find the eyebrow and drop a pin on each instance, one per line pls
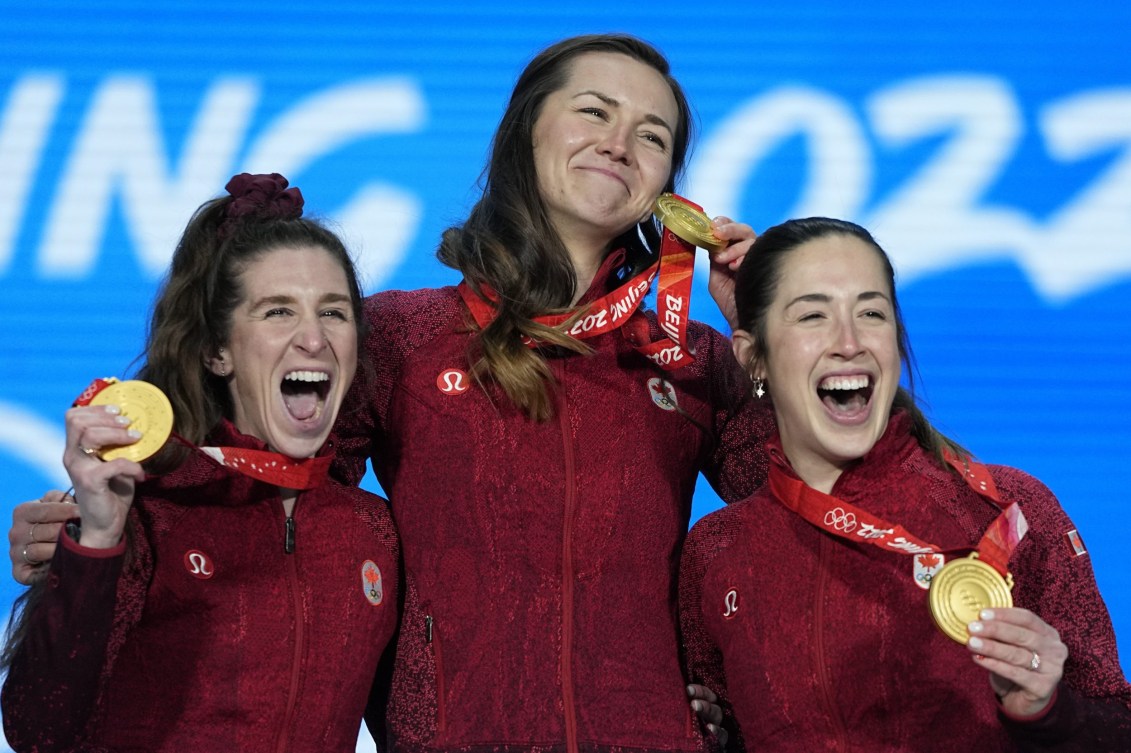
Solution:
(275, 300)
(870, 295)
(611, 102)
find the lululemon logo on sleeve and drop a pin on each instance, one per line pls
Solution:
(662, 392)
(371, 583)
(730, 603)
(198, 564)
(453, 382)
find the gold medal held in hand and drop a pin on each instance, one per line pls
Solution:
(686, 222)
(149, 412)
(962, 589)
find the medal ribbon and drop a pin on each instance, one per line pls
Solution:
(848, 521)
(675, 267)
(264, 465)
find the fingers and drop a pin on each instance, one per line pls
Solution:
(35, 529)
(1019, 647)
(93, 427)
(704, 703)
(739, 237)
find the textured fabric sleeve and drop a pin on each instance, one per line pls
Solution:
(702, 658)
(1092, 711)
(738, 463)
(51, 691)
(356, 427)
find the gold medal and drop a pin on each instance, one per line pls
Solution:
(686, 222)
(149, 412)
(962, 589)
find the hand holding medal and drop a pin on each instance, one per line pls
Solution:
(726, 241)
(111, 428)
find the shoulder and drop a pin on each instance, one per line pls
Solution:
(717, 530)
(397, 313)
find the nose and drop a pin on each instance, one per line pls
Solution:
(310, 336)
(616, 144)
(847, 342)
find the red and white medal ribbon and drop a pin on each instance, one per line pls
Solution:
(848, 521)
(675, 268)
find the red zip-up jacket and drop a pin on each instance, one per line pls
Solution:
(209, 635)
(540, 558)
(820, 643)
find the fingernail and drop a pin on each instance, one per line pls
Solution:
(975, 627)
(115, 410)
(690, 690)
(986, 614)
(123, 421)
(134, 434)
(975, 642)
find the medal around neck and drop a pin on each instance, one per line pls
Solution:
(686, 222)
(149, 412)
(962, 589)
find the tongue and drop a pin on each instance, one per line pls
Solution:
(845, 402)
(301, 405)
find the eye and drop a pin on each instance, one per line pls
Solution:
(876, 314)
(596, 112)
(340, 314)
(656, 139)
(811, 316)
(276, 312)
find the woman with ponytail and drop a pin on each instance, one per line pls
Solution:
(227, 594)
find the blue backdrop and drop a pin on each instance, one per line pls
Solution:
(988, 145)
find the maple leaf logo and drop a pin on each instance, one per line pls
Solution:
(928, 560)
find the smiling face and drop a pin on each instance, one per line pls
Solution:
(831, 355)
(292, 349)
(603, 147)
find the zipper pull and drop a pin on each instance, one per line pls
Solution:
(289, 536)
(427, 628)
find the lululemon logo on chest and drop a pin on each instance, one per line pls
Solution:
(730, 603)
(371, 583)
(663, 393)
(199, 564)
(453, 382)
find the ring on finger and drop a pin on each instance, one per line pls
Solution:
(1035, 662)
(28, 560)
(90, 452)
(31, 535)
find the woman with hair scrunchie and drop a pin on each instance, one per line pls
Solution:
(226, 594)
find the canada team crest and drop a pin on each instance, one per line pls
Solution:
(925, 567)
(662, 392)
(371, 583)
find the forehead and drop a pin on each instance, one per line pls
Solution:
(832, 264)
(624, 79)
(306, 268)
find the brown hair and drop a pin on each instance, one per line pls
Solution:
(508, 242)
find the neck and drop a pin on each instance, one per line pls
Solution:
(586, 253)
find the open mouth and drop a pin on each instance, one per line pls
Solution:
(846, 394)
(304, 393)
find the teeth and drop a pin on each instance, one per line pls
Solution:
(857, 382)
(307, 376)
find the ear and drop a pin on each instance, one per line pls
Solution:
(746, 353)
(217, 363)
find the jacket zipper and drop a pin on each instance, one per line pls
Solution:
(432, 638)
(300, 633)
(567, 573)
(823, 681)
